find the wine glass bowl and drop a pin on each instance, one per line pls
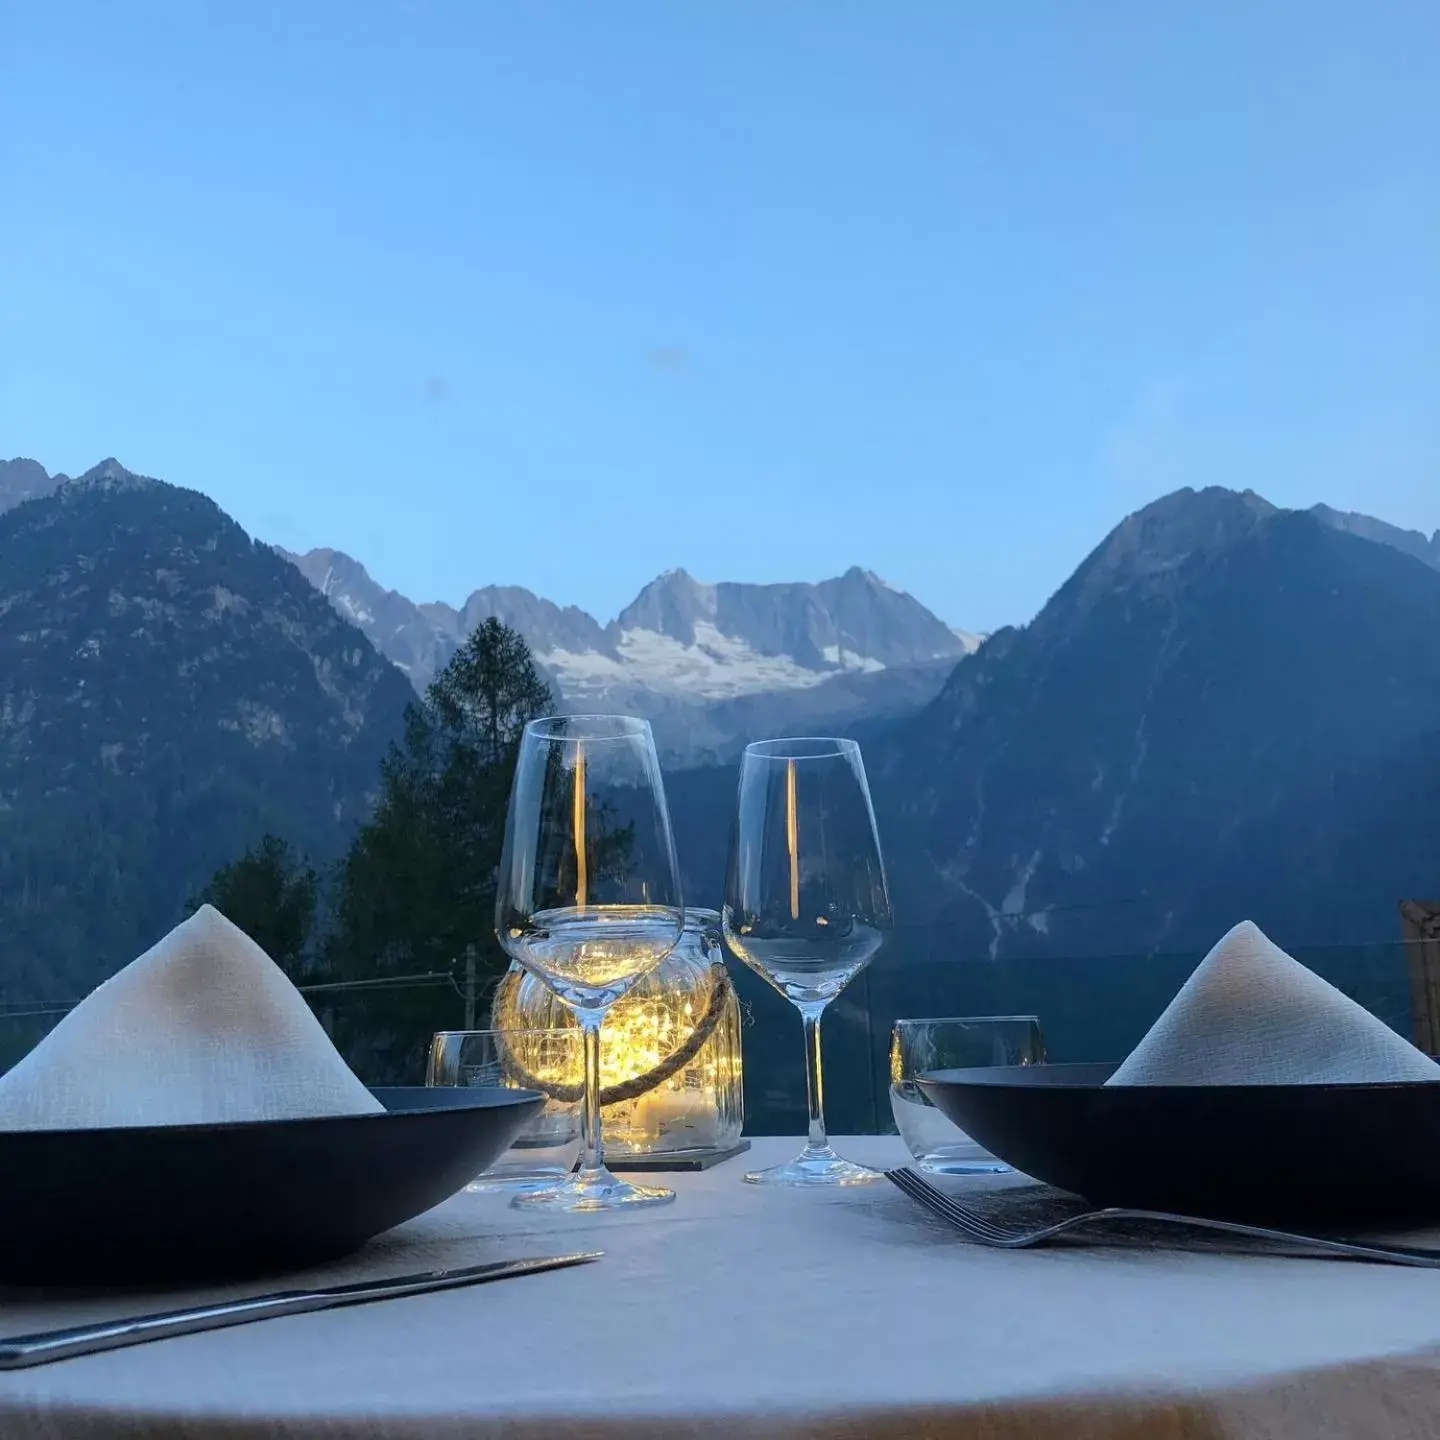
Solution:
(588, 897)
(590, 956)
(806, 902)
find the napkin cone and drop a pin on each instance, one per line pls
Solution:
(203, 1028)
(1253, 1015)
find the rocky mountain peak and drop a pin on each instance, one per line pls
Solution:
(22, 479)
(858, 575)
(333, 572)
(1150, 546)
(110, 474)
(1188, 526)
(548, 628)
(1177, 526)
(1411, 542)
(672, 604)
(420, 645)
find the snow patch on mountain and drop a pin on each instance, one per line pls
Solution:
(715, 667)
(848, 660)
(348, 607)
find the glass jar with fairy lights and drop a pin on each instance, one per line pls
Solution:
(670, 1067)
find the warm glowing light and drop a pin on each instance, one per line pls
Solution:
(641, 1032)
(693, 1104)
(582, 863)
(792, 836)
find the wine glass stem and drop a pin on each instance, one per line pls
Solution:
(592, 1158)
(814, 1077)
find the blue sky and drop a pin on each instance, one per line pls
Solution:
(563, 295)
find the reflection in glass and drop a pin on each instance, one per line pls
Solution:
(806, 903)
(545, 1151)
(588, 899)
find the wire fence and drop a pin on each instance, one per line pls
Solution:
(1094, 1008)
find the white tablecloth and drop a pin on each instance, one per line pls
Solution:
(743, 1311)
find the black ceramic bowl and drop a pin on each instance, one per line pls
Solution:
(179, 1203)
(1342, 1156)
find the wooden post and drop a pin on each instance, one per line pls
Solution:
(1420, 922)
(469, 987)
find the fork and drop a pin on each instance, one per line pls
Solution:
(986, 1230)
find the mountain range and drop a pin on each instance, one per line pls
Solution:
(709, 663)
(1229, 709)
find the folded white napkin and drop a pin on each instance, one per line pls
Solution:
(1253, 1015)
(203, 1028)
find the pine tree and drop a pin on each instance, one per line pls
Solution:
(271, 893)
(416, 893)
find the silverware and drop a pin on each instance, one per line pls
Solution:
(19, 1351)
(987, 1230)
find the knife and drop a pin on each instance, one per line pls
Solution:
(19, 1351)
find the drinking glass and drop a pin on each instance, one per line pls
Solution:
(962, 1043)
(588, 898)
(806, 904)
(545, 1151)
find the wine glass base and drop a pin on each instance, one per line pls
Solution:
(947, 1165)
(818, 1166)
(590, 1191)
(529, 1180)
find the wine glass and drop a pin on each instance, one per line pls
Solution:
(806, 904)
(588, 898)
(546, 1150)
(939, 1145)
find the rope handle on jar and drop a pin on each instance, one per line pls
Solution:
(505, 1019)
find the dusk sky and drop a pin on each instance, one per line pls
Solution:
(565, 295)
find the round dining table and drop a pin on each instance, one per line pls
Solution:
(743, 1310)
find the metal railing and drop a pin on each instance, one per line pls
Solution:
(1093, 1008)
